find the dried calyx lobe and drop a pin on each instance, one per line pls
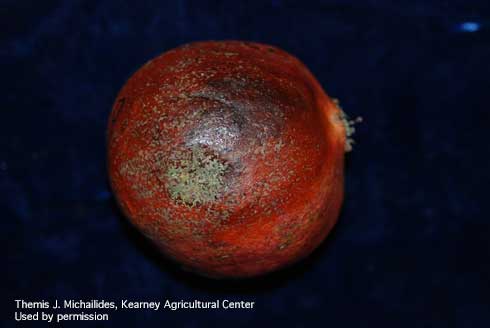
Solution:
(349, 126)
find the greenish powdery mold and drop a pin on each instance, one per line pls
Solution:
(195, 177)
(348, 125)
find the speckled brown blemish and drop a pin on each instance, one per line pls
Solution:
(117, 109)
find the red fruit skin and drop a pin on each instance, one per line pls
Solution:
(276, 145)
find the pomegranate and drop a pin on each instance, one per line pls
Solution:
(228, 156)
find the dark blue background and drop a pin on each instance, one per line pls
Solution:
(412, 247)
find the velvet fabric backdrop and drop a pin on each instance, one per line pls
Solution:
(412, 246)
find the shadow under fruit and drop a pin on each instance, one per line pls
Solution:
(228, 156)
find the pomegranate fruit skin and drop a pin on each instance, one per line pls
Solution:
(228, 156)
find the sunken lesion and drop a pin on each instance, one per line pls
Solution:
(196, 177)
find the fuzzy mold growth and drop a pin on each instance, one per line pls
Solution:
(195, 177)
